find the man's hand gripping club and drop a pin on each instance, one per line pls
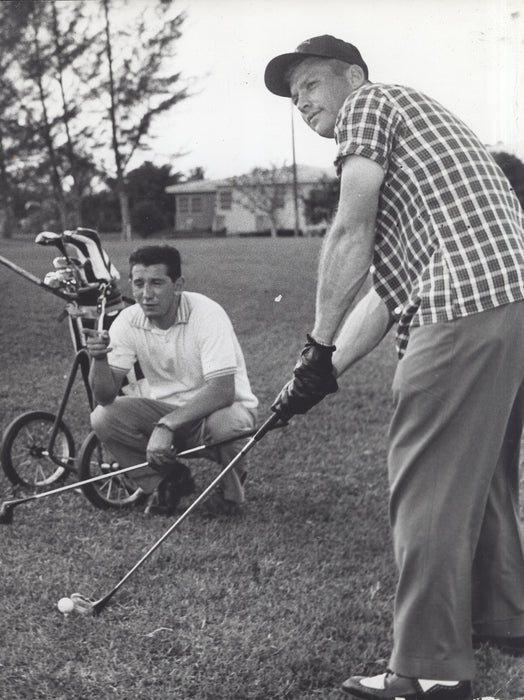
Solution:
(313, 379)
(161, 451)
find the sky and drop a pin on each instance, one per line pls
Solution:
(468, 54)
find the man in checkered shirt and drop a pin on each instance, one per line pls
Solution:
(424, 207)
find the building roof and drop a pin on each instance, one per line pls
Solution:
(305, 174)
(196, 186)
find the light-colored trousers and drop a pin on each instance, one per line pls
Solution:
(125, 425)
(454, 482)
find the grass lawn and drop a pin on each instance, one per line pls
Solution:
(286, 601)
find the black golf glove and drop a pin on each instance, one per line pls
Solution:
(313, 379)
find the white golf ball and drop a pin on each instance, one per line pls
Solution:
(66, 605)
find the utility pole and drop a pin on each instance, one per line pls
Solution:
(295, 184)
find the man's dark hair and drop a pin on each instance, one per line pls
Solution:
(157, 255)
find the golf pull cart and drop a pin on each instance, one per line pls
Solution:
(38, 449)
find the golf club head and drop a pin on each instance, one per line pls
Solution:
(48, 238)
(100, 605)
(6, 514)
(83, 605)
(52, 279)
(60, 263)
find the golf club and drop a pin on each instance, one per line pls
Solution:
(51, 238)
(6, 508)
(101, 308)
(84, 605)
(36, 280)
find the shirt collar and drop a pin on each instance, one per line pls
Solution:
(184, 310)
(182, 316)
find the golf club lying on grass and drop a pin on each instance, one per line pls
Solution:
(6, 509)
(80, 604)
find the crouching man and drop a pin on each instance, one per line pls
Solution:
(195, 390)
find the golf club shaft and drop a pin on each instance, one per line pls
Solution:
(101, 311)
(36, 280)
(118, 472)
(268, 425)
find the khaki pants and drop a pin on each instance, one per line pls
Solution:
(125, 425)
(454, 480)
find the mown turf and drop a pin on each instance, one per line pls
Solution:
(284, 602)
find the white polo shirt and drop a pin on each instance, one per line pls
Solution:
(177, 362)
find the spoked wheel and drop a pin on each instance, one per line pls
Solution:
(114, 492)
(25, 455)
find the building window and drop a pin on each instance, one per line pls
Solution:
(183, 204)
(196, 204)
(225, 199)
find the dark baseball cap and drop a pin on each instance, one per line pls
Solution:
(325, 46)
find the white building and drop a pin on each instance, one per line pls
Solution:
(261, 202)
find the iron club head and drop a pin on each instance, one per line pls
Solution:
(82, 605)
(87, 606)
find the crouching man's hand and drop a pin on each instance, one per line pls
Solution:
(97, 342)
(313, 379)
(160, 449)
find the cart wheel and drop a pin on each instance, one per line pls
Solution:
(116, 492)
(24, 453)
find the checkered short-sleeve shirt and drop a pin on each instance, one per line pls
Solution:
(449, 230)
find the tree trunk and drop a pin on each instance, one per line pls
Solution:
(45, 130)
(124, 213)
(7, 222)
(7, 218)
(120, 182)
(75, 215)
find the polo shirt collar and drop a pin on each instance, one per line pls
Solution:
(182, 316)
(184, 310)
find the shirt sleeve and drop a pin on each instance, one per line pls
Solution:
(367, 125)
(123, 355)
